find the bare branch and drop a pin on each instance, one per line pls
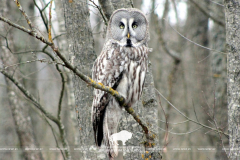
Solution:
(100, 11)
(44, 19)
(221, 23)
(24, 14)
(180, 134)
(161, 40)
(29, 96)
(39, 106)
(203, 125)
(193, 41)
(40, 60)
(217, 3)
(50, 23)
(7, 44)
(107, 7)
(30, 32)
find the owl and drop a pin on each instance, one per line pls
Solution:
(122, 65)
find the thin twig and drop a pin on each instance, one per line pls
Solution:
(166, 124)
(53, 131)
(205, 126)
(24, 14)
(194, 110)
(193, 41)
(175, 123)
(46, 5)
(182, 133)
(50, 23)
(44, 19)
(29, 96)
(35, 60)
(221, 23)
(161, 40)
(30, 32)
(217, 3)
(7, 45)
(131, 2)
(100, 11)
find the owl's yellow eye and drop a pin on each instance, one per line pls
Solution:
(121, 26)
(134, 26)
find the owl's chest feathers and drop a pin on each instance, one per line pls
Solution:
(134, 66)
(131, 84)
(123, 69)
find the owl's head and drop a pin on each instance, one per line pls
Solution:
(128, 27)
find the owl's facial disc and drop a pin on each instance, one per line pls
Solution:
(128, 28)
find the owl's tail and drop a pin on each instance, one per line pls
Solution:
(111, 144)
(112, 117)
(113, 147)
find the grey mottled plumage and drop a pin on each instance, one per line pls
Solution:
(121, 65)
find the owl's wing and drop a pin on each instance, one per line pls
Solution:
(108, 69)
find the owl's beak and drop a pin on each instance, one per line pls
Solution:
(128, 35)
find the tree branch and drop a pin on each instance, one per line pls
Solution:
(107, 7)
(42, 15)
(30, 32)
(29, 96)
(203, 125)
(193, 41)
(39, 106)
(101, 12)
(24, 14)
(161, 40)
(221, 23)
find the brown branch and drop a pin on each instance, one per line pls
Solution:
(100, 11)
(24, 14)
(50, 23)
(30, 32)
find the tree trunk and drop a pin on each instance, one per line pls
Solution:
(82, 55)
(232, 14)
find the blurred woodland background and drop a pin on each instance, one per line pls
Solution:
(189, 68)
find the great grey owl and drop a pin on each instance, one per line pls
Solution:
(121, 65)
